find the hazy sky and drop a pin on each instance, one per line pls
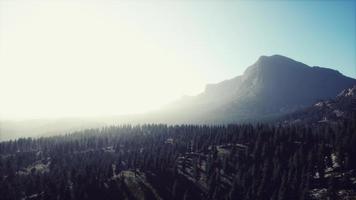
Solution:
(61, 58)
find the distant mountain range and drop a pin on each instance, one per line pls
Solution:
(273, 86)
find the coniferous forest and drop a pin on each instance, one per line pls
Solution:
(156, 161)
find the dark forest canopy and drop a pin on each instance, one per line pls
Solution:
(184, 162)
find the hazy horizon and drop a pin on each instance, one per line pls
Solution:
(70, 59)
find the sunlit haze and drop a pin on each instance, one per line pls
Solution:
(96, 58)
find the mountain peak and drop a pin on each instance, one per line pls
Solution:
(273, 57)
(280, 62)
(277, 60)
(275, 64)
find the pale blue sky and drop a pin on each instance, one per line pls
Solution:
(319, 33)
(108, 57)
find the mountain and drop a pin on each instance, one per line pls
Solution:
(271, 87)
(342, 107)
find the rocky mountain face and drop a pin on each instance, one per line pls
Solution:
(342, 107)
(271, 87)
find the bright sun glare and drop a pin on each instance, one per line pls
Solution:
(65, 58)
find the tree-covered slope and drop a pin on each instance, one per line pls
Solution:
(184, 162)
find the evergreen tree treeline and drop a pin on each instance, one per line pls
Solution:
(183, 162)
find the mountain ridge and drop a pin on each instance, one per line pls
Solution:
(341, 107)
(273, 85)
(255, 96)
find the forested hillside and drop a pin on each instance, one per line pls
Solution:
(184, 162)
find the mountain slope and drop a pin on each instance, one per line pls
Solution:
(327, 111)
(272, 86)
